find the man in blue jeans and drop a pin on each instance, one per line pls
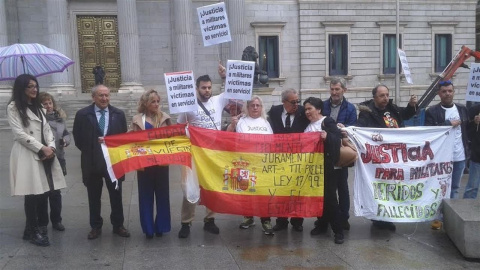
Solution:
(448, 113)
(345, 114)
(473, 130)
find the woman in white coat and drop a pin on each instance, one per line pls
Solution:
(34, 170)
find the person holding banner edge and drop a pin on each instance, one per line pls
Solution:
(209, 116)
(380, 112)
(448, 113)
(345, 114)
(153, 181)
(90, 126)
(288, 118)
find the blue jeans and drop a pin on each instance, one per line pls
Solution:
(473, 183)
(458, 167)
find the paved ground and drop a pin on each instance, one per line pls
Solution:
(412, 246)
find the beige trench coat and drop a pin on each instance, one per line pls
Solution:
(27, 175)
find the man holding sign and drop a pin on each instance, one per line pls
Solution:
(209, 116)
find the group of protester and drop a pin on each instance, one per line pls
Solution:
(40, 135)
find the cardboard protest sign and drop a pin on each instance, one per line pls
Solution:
(406, 69)
(182, 96)
(214, 24)
(473, 86)
(239, 80)
(402, 174)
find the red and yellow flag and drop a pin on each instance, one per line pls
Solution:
(259, 175)
(135, 150)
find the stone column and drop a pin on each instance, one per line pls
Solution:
(129, 47)
(58, 36)
(236, 20)
(184, 38)
(5, 86)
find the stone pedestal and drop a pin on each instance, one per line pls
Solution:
(462, 224)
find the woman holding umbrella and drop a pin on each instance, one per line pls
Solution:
(34, 170)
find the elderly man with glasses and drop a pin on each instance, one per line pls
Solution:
(448, 113)
(288, 118)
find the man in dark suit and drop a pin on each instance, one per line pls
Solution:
(288, 118)
(91, 124)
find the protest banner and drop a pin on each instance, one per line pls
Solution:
(473, 86)
(259, 175)
(402, 174)
(181, 93)
(239, 79)
(214, 24)
(131, 151)
(406, 69)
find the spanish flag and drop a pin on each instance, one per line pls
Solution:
(277, 175)
(135, 150)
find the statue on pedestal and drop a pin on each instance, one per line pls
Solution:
(249, 54)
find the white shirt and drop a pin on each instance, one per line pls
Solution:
(315, 126)
(458, 149)
(198, 118)
(284, 117)
(99, 114)
(258, 125)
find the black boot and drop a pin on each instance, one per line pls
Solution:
(27, 233)
(38, 239)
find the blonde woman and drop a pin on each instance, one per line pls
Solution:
(152, 182)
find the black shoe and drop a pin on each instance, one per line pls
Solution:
(298, 228)
(184, 231)
(94, 233)
(58, 226)
(280, 226)
(321, 227)
(384, 225)
(209, 226)
(27, 233)
(38, 239)
(339, 238)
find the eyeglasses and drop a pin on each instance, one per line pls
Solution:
(294, 102)
(445, 83)
(32, 86)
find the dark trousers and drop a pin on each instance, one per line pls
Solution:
(295, 221)
(153, 189)
(94, 189)
(54, 197)
(343, 193)
(36, 208)
(331, 210)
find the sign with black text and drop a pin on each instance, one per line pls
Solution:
(214, 24)
(182, 96)
(239, 80)
(473, 86)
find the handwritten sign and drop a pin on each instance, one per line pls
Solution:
(181, 91)
(402, 174)
(239, 80)
(214, 24)
(473, 87)
(406, 69)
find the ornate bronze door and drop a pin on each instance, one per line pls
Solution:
(98, 45)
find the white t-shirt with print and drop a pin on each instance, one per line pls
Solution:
(198, 118)
(258, 125)
(315, 126)
(458, 149)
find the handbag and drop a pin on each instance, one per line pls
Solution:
(348, 154)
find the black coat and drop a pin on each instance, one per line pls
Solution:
(86, 133)
(370, 117)
(435, 116)
(473, 133)
(299, 123)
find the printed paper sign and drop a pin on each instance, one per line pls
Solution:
(239, 80)
(402, 174)
(214, 24)
(406, 69)
(181, 92)
(473, 87)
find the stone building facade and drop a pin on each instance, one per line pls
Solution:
(308, 41)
